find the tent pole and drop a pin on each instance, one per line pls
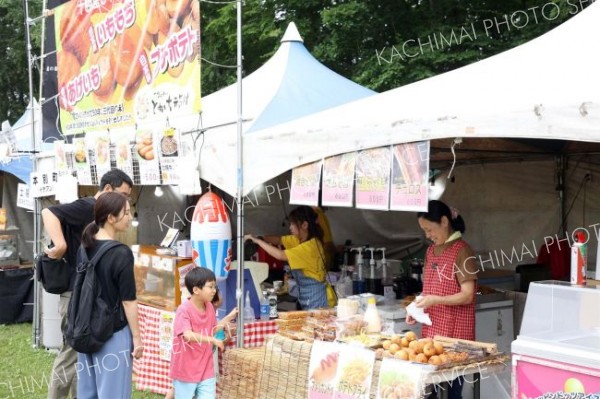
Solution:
(36, 208)
(240, 188)
(560, 172)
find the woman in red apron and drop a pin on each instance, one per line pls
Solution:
(449, 279)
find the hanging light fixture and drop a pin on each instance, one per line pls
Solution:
(437, 185)
(135, 222)
(158, 192)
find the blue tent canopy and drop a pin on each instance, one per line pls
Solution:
(298, 96)
(20, 167)
(290, 85)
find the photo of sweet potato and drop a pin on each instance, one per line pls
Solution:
(176, 70)
(74, 35)
(105, 62)
(68, 68)
(126, 52)
(178, 9)
(145, 145)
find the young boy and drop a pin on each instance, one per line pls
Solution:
(192, 368)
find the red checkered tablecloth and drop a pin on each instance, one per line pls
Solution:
(152, 372)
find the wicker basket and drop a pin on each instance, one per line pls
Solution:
(285, 369)
(241, 373)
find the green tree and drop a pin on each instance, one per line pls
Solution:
(381, 44)
(14, 75)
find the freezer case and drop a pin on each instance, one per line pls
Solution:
(557, 353)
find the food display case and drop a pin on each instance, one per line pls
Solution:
(159, 276)
(557, 353)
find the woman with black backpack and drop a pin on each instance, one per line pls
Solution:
(107, 372)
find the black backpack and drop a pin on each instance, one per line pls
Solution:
(90, 322)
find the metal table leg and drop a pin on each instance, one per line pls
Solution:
(443, 391)
(477, 387)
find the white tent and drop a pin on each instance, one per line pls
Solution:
(22, 128)
(548, 88)
(292, 84)
(545, 89)
(20, 161)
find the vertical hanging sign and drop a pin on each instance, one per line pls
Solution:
(101, 146)
(123, 140)
(338, 180)
(305, 184)
(81, 162)
(373, 178)
(169, 155)
(410, 174)
(145, 140)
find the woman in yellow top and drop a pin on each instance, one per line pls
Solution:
(304, 253)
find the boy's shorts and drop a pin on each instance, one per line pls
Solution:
(206, 389)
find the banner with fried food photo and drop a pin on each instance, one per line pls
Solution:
(126, 62)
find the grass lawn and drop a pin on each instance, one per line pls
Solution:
(24, 371)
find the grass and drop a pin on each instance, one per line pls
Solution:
(25, 371)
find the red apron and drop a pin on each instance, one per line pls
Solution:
(440, 279)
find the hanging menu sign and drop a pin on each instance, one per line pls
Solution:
(305, 184)
(410, 173)
(81, 161)
(60, 157)
(145, 146)
(338, 180)
(169, 151)
(123, 140)
(99, 142)
(373, 178)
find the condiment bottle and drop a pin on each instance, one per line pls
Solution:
(372, 316)
(249, 315)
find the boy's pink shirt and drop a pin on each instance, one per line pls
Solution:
(192, 361)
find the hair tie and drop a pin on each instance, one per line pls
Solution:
(453, 212)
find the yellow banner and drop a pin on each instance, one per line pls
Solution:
(126, 62)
